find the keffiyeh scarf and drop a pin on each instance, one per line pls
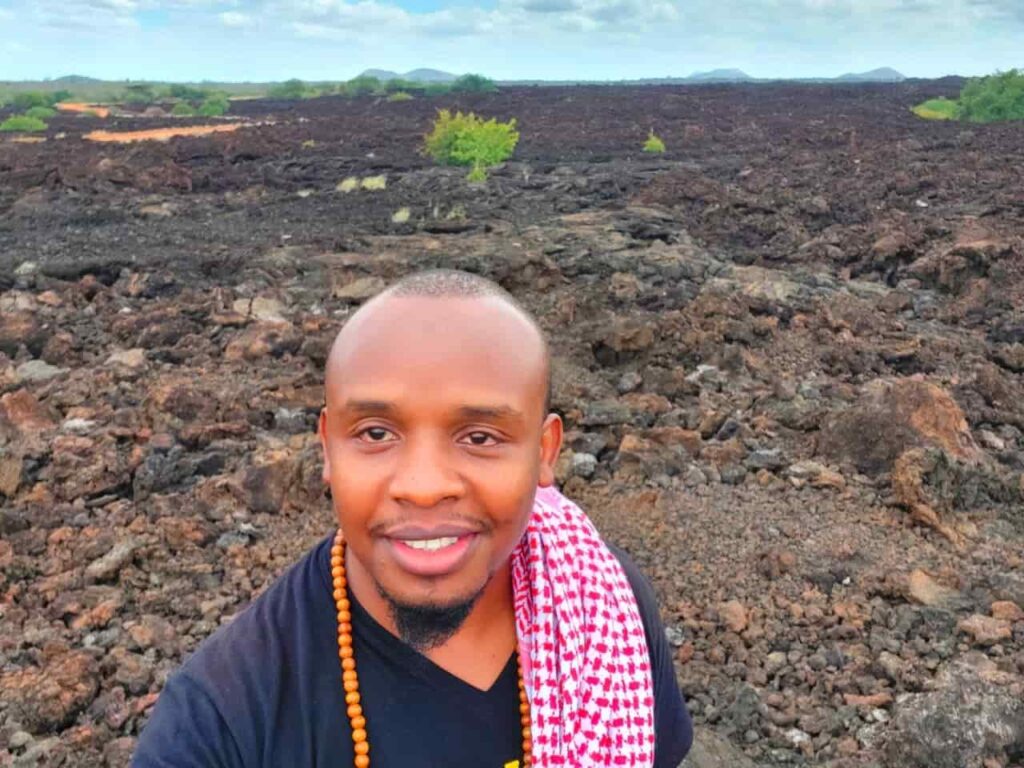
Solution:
(584, 653)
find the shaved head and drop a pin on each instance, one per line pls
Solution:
(447, 284)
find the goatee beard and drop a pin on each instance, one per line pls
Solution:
(428, 626)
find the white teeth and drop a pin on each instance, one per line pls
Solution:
(431, 545)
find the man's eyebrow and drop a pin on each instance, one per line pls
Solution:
(369, 406)
(500, 412)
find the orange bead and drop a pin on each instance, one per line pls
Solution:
(343, 604)
(358, 735)
(345, 651)
(355, 710)
(362, 748)
(362, 761)
(336, 560)
(359, 722)
(339, 595)
(349, 674)
(344, 616)
(344, 638)
(352, 698)
(351, 685)
(524, 708)
(348, 663)
(337, 571)
(526, 735)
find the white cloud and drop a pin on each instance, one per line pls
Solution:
(235, 19)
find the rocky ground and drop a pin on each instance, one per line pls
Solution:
(790, 356)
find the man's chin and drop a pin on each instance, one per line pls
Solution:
(428, 623)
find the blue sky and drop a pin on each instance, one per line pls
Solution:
(505, 39)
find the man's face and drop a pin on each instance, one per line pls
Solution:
(435, 440)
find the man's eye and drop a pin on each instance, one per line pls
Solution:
(376, 435)
(481, 439)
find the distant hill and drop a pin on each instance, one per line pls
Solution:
(76, 80)
(881, 75)
(415, 75)
(720, 76)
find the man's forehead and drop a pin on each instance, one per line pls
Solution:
(428, 341)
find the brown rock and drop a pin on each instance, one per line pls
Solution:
(874, 701)
(264, 486)
(724, 453)
(986, 630)
(358, 290)
(734, 615)
(893, 416)
(272, 339)
(623, 341)
(21, 413)
(924, 590)
(688, 439)
(154, 632)
(1005, 610)
(21, 328)
(48, 698)
(10, 474)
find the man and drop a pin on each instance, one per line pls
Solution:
(465, 614)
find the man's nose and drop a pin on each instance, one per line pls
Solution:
(425, 475)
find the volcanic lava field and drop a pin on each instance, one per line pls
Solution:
(789, 355)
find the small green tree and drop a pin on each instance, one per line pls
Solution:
(183, 109)
(187, 92)
(139, 93)
(654, 144)
(215, 106)
(289, 89)
(400, 96)
(474, 84)
(28, 99)
(41, 113)
(62, 95)
(994, 98)
(469, 140)
(22, 124)
(363, 86)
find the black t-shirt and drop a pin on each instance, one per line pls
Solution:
(265, 692)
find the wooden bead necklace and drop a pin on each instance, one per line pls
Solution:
(350, 680)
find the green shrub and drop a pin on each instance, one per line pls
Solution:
(62, 95)
(187, 92)
(289, 89)
(363, 86)
(654, 144)
(937, 109)
(183, 109)
(437, 89)
(474, 84)
(994, 98)
(28, 99)
(22, 124)
(400, 96)
(469, 140)
(398, 85)
(41, 113)
(139, 93)
(215, 106)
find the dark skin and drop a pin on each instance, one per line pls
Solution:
(435, 429)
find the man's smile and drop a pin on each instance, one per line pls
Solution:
(432, 556)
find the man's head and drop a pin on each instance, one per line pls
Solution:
(436, 435)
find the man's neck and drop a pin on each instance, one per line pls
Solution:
(479, 650)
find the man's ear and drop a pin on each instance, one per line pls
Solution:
(550, 447)
(321, 431)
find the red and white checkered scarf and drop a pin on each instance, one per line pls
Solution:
(584, 653)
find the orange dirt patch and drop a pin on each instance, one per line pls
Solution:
(159, 134)
(69, 106)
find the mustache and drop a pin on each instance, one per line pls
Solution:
(443, 524)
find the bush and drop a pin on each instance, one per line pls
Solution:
(28, 99)
(994, 98)
(183, 109)
(41, 113)
(938, 109)
(22, 124)
(62, 95)
(400, 96)
(187, 92)
(289, 89)
(139, 93)
(469, 140)
(654, 144)
(215, 106)
(437, 89)
(363, 86)
(474, 84)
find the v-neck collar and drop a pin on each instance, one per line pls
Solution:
(371, 630)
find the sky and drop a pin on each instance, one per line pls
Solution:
(263, 40)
